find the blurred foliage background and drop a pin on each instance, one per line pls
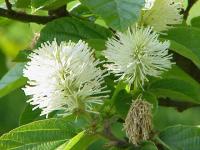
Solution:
(16, 36)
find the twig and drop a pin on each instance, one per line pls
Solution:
(8, 5)
(26, 17)
(190, 4)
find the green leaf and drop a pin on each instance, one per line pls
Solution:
(48, 4)
(168, 116)
(81, 141)
(118, 14)
(121, 99)
(123, 103)
(151, 98)
(117, 130)
(195, 22)
(12, 80)
(66, 29)
(28, 115)
(148, 146)
(184, 51)
(185, 41)
(22, 56)
(99, 144)
(72, 5)
(46, 134)
(3, 67)
(9, 110)
(98, 45)
(181, 137)
(23, 3)
(177, 85)
(80, 10)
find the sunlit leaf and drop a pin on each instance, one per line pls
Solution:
(12, 80)
(118, 14)
(46, 134)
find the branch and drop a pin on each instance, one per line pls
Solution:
(190, 4)
(26, 17)
(8, 5)
(180, 106)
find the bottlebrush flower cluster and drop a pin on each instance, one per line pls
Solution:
(66, 77)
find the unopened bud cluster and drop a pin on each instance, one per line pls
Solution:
(138, 123)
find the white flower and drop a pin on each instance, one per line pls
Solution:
(64, 77)
(136, 54)
(164, 14)
(148, 4)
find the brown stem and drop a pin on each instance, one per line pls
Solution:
(190, 4)
(8, 5)
(26, 17)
